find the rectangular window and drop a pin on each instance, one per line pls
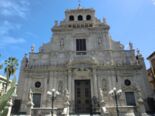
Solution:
(130, 98)
(87, 92)
(16, 106)
(36, 99)
(78, 92)
(81, 46)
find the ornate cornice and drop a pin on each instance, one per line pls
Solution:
(65, 67)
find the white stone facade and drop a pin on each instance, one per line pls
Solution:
(3, 81)
(104, 63)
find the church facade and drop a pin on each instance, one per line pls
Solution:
(82, 60)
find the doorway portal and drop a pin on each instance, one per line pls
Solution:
(82, 96)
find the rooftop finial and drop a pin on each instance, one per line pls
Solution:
(79, 4)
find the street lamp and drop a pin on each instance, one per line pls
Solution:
(116, 93)
(53, 96)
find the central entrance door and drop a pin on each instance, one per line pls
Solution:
(82, 96)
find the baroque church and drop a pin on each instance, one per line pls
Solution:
(88, 71)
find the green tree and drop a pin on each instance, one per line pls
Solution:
(6, 97)
(11, 65)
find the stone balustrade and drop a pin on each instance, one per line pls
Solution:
(89, 57)
(46, 112)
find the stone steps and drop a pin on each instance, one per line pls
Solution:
(69, 115)
(84, 115)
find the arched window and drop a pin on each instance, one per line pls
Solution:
(71, 18)
(80, 18)
(88, 17)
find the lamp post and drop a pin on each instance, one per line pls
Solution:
(53, 94)
(116, 93)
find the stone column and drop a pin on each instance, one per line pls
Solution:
(55, 79)
(141, 106)
(69, 80)
(29, 107)
(66, 104)
(30, 103)
(95, 83)
(9, 107)
(51, 81)
(140, 101)
(102, 104)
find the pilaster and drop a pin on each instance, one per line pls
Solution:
(95, 82)
(69, 80)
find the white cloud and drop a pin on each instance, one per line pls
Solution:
(14, 8)
(5, 33)
(10, 12)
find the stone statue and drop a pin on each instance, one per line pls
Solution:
(66, 95)
(99, 41)
(61, 42)
(138, 56)
(140, 100)
(140, 96)
(30, 102)
(56, 23)
(130, 46)
(101, 94)
(138, 51)
(26, 60)
(30, 96)
(66, 92)
(60, 86)
(32, 48)
(121, 46)
(102, 102)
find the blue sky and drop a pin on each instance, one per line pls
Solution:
(27, 22)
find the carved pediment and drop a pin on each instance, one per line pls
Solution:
(82, 72)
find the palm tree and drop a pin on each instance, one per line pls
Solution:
(11, 65)
(1, 64)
